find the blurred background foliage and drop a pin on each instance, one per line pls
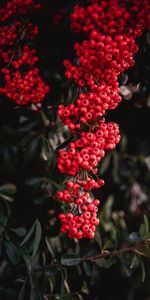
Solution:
(36, 261)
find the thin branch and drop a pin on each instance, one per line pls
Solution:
(100, 255)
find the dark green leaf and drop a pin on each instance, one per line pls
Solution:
(12, 252)
(100, 262)
(4, 269)
(146, 223)
(27, 126)
(85, 127)
(62, 285)
(63, 145)
(8, 188)
(34, 293)
(47, 240)
(98, 239)
(105, 164)
(19, 231)
(28, 236)
(22, 292)
(32, 148)
(143, 271)
(105, 263)
(116, 238)
(51, 271)
(38, 234)
(108, 245)
(34, 181)
(134, 261)
(142, 230)
(87, 265)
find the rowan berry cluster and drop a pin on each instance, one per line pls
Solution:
(21, 80)
(110, 28)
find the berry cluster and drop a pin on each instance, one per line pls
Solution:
(90, 106)
(86, 152)
(111, 17)
(110, 28)
(17, 7)
(24, 88)
(83, 221)
(21, 80)
(101, 58)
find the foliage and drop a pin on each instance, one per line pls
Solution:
(38, 262)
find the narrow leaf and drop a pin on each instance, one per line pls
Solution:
(146, 223)
(143, 271)
(49, 247)
(38, 234)
(29, 234)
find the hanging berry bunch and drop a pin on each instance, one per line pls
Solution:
(110, 29)
(22, 82)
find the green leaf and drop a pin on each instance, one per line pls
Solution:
(70, 260)
(34, 181)
(63, 145)
(28, 236)
(47, 240)
(38, 235)
(87, 265)
(143, 271)
(62, 285)
(7, 198)
(4, 268)
(99, 239)
(146, 223)
(12, 252)
(85, 127)
(22, 292)
(27, 126)
(19, 231)
(142, 230)
(51, 271)
(100, 262)
(134, 261)
(7, 190)
(108, 245)
(32, 148)
(105, 163)
(34, 292)
(105, 263)
(110, 261)
(116, 237)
